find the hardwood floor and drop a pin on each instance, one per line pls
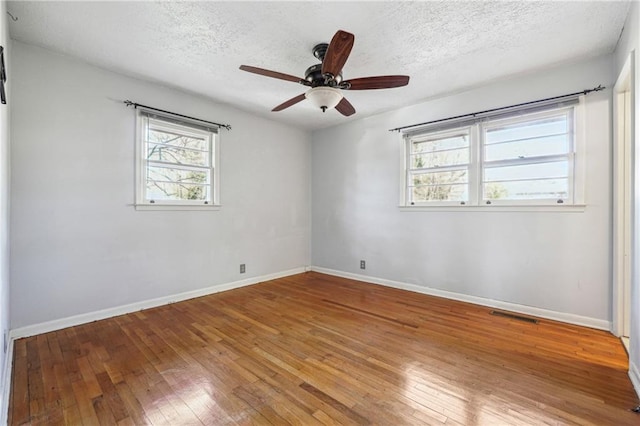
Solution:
(315, 349)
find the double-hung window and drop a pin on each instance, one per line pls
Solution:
(528, 158)
(177, 163)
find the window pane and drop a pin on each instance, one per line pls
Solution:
(450, 142)
(443, 192)
(528, 129)
(442, 186)
(438, 178)
(173, 154)
(527, 148)
(166, 174)
(175, 191)
(527, 189)
(177, 140)
(441, 158)
(527, 171)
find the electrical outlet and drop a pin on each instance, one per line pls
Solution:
(243, 268)
(362, 264)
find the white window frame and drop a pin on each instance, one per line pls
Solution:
(569, 113)
(431, 136)
(142, 202)
(575, 156)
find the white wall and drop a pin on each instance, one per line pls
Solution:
(78, 246)
(4, 197)
(549, 260)
(630, 41)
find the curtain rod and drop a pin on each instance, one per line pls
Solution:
(473, 114)
(135, 105)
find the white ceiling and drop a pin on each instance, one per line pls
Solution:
(198, 46)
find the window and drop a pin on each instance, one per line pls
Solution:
(528, 159)
(177, 163)
(439, 167)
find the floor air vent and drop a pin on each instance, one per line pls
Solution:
(514, 316)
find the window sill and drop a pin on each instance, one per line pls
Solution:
(184, 207)
(573, 208)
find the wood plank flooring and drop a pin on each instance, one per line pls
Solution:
(314, 349)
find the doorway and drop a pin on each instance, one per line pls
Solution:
(622, 200)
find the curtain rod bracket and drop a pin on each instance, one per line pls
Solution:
(136, 105)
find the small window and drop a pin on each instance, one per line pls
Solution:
(528, 159)
(177, 163)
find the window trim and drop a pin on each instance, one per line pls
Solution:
(141, 163)
(565, 208)
(477, 202)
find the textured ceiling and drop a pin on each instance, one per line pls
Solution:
(198, 46)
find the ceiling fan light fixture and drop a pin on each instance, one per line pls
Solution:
(324, 97)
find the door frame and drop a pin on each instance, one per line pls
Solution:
(623, 187)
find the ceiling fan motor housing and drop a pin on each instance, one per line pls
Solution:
(314, 76)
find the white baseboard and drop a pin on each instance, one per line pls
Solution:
(7, 368)
(634, 375)
(508, 306)
(45, 327)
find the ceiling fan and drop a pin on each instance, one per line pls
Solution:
(325, 79)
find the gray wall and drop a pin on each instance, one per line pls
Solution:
(558, 261)
(78, 245)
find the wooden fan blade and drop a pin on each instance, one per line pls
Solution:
(345, 108)
(379, 82)
(337, 53)
(288, 103)
(272, 74)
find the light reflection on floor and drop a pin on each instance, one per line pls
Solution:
(467, 404)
